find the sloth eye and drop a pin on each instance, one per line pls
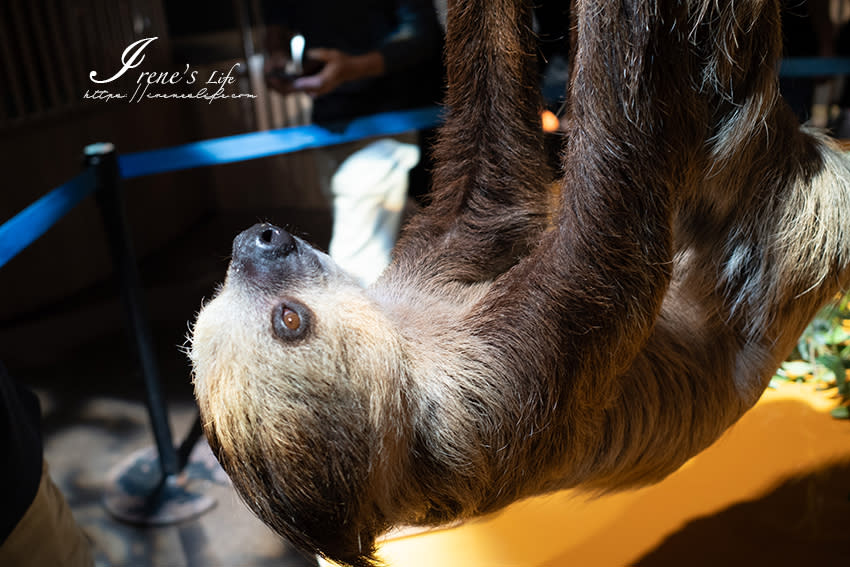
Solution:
(290, 319)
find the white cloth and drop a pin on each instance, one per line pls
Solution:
(369, 190)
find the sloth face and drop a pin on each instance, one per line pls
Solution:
(296, 371)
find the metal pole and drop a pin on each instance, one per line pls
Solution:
(103, 158)
(149, 487)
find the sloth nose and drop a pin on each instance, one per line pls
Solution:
(274, 240)
(263, 242)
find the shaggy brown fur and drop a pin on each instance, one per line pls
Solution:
(512, 349)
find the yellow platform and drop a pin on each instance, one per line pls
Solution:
(774, 490)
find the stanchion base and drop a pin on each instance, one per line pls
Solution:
(137, 494)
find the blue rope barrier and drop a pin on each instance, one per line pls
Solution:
(28, 225)
(274, 142)
(795, 67)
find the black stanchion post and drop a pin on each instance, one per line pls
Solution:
(103, 158)
(150, 487)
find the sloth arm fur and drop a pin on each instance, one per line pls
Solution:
(632, 294)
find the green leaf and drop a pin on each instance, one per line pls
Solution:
(835, 367)
(837, 335)
(841, 381)
(843, 387)
(803, 345)
(797, 367)
(842, 412)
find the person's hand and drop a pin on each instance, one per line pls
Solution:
(339, 68)
(274, 69)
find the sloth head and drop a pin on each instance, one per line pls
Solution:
(297, 373)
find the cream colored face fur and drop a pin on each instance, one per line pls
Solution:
(239, 361)
(317, 403)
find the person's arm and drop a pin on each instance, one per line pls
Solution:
(339, 68)
(414, 40)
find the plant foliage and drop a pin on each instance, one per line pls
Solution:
(822, 354)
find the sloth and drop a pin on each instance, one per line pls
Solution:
(522, 340)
